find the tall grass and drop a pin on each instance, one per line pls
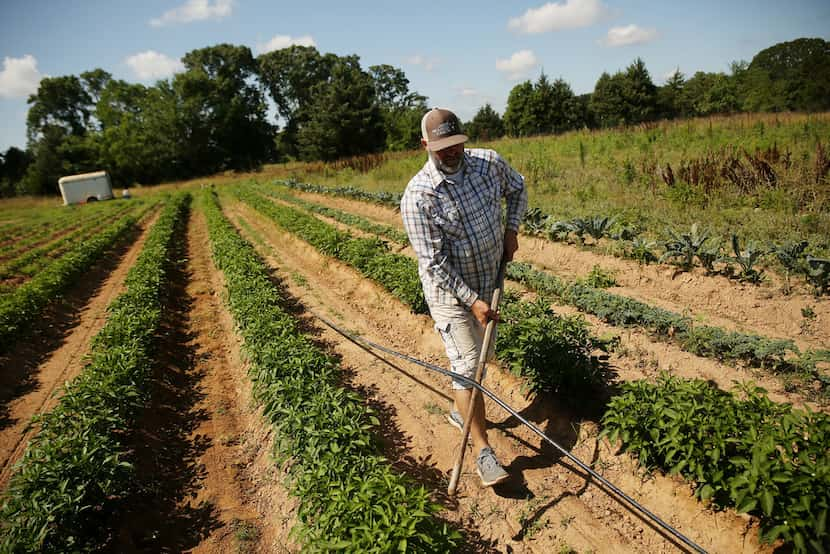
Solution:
(618, 171)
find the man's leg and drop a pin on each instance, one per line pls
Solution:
(478, 424)
(463, 337)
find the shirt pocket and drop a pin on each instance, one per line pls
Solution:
(451, 221)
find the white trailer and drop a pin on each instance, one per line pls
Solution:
(86, 187)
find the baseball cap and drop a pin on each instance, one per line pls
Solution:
(441, 129)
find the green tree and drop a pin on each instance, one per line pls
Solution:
(139, 140)
(710, 93)
(224, 111)
(485, 125)
(59, 102)
(13, 165)
(639, 93)
(791, 75)
(518, 116)
(344, 116)
(669, 103)
(625, 98)
(401, 108)
(290, 75)
(607, 102)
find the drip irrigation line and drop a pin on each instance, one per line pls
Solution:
(607, 485)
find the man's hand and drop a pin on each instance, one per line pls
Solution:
(511, 244)
(482, 312)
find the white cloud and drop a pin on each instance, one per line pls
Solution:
(278, 42)
(630, 34)
(557, 16)
(427, 63)
(518, 65)
(19, 77)
(464, 91)
(195, 10)
(153, 65)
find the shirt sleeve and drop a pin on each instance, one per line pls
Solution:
(513, 189)
(427, 240)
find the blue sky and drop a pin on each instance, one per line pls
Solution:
(459, 54)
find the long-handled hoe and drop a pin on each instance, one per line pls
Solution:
(489, 331)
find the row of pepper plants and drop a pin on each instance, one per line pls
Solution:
(739, 450)
(33, 225)
(25, 303)
(34, 259)
(552, 352)
(701, 340)
(349, 497)
(340, 216)
(77, 467)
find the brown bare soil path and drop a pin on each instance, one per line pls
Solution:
(53, 351)
(548, 504)
(712, 300)
(207, 481)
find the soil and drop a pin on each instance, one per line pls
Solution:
(52, 353)
(207, 482)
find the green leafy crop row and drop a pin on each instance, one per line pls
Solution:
(36, 224)
(741, 450)
(370, 256)
(349, 497)
(702, 340)
(393, 234)
(552, 353)
(76, 467)
(26, 302)
(384, 198)
(38, 257)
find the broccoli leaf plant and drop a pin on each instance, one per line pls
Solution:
(747, 260)
(683, 248)
(818, 274)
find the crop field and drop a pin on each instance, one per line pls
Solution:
(167, 385)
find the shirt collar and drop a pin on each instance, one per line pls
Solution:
(435, 175)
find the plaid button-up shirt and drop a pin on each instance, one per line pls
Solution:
(456, 228)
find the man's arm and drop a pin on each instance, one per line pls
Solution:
(513, 189)
(427, 242)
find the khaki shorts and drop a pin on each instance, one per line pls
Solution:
(463, 336)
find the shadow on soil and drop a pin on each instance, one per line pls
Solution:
(158, 518)
(18, 365)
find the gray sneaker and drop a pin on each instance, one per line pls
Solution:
(489, 468)
(456, 420)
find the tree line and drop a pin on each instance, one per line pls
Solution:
(789, 76)
(214, 115)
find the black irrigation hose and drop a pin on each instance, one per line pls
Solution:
(362, 342)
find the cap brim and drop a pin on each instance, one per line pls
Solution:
(435, 145)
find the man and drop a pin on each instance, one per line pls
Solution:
(452, 213)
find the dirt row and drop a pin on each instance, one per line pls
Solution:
(207, 483)
(547, 504)
(53, 352)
